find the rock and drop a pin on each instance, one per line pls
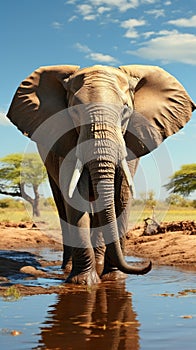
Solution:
(22, 225)
(15, 333)
(30, 270)
(152, 227)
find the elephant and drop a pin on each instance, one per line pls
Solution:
(91, 125)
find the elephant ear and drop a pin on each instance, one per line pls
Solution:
(162, 106)
(40, 96)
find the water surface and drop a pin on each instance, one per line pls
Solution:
(155, 311)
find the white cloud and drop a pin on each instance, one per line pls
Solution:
(130, 25)
(147, 35)
(99, 57)
(95, 56)
(122, 5)
(102, 9)
(148, 1)
(169, 47)
(85, 9)
(131, 33)
(156, 13)
(87, 12)
(70, 2)
(132, 22)
(90, 17)
(82, 48)
(4, 121)
(92, 8)
(184, 22)
(72, 18)
(57, 25)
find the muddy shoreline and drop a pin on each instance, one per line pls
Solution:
(18, 264)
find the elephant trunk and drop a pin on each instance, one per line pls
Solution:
(102, 176)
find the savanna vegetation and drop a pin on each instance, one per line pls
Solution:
(21, 175)
(183, 181)
(12, 210)
(18, 174)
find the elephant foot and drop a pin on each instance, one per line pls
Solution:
(67, 267)
(67, 259)
(112, 274)
(88, 278)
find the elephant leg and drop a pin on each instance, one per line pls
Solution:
(58, 198)
(79, 223)
(83, 257)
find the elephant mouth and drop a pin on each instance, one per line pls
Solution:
(92, 196)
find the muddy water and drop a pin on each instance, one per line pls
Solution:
(156, 311)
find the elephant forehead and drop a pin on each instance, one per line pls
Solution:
(100, 68)
(100, 74)
(98, 83)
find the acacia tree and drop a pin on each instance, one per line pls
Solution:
(19, 172)
(148, 198)
(183, 181)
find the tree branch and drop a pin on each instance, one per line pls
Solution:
(25, 195)
(9, 193)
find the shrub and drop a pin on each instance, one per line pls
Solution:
(11, 203)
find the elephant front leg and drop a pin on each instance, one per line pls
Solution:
(67, 260)
(60, 204)
(83, 267)
(83, 257)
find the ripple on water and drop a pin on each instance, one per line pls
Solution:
(155, 311)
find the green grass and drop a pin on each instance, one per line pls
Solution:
(12, 294)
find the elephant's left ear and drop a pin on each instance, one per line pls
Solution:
(40, 96)
(160, 98)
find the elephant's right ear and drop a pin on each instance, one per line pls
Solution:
(159, 98)
(40, 96)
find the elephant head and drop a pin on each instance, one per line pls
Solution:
(123, 112)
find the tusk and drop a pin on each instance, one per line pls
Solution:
(75, 177)
(128, 176)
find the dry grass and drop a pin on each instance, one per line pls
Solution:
(163, 214)
(137, 215)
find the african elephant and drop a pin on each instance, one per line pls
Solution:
(91, 125)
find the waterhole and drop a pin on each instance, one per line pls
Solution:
(155, 311)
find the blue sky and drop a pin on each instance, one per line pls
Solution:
(110, 32)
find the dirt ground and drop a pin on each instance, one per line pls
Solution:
(171, 244)
(28, 235)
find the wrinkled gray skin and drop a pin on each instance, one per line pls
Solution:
(94, 238)
(106, 174)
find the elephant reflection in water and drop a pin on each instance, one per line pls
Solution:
(101, 318)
